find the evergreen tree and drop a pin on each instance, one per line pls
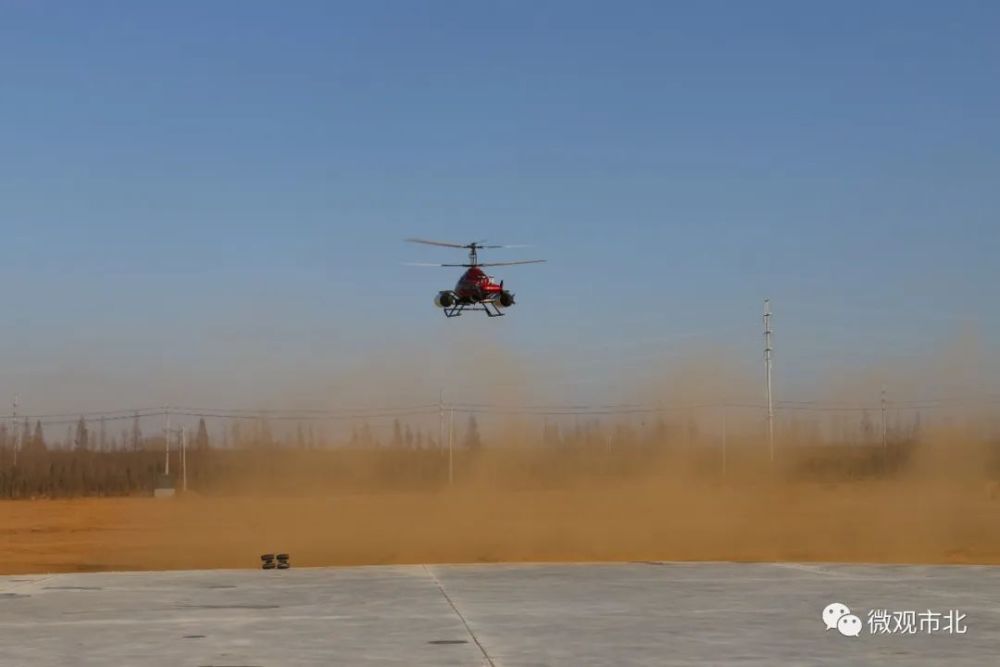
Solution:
(201, 437)
(867, 427)
(80, 442)
(38, 439)
(397, 434)
(472, 440)
(136, 433)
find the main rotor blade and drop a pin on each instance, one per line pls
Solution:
(478, 245)
(444, 244)
(427, 264)
(523, 261)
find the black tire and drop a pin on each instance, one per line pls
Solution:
(268, 565)
(283, 565)
(267, 557)
(282, 556)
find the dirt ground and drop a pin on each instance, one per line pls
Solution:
(648, 519)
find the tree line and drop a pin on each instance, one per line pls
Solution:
(249, 454)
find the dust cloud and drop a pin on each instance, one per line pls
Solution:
(672, 486)
(522, 504)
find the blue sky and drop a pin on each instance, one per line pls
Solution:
(205, 202)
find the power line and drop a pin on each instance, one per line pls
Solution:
(542, 410)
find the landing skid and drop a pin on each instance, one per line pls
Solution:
(488, 307)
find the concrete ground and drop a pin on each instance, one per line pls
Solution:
(512, 615)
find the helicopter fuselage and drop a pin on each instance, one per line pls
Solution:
(475, 291)
(475, 285)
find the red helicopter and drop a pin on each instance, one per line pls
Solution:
(474, 290)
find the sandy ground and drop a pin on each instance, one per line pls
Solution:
(904, 522)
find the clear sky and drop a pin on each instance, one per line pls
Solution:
(204, 202)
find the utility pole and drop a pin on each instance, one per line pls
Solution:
(14, 432)
(440, 419)
(883, 421)
(181, 433)
(768, 349)
(184, 460)
(451, 442)
(166, 439)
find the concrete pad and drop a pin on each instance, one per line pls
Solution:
(501, 615)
